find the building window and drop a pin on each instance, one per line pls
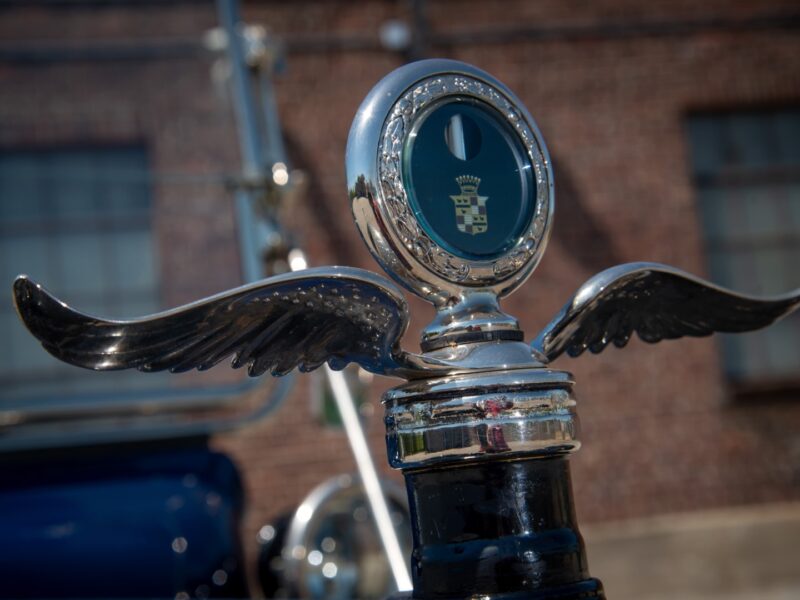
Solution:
(746, 169)
(78, 221)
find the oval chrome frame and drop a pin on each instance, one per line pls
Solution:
(380, 201)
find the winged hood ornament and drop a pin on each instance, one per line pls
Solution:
(420, 145)
(451, 189)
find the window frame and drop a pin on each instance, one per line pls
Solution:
(161, 411)
(739, 178)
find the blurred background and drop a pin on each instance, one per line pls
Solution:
(127, 186)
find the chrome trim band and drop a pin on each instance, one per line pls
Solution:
(473, 337)
(505, 377)
(494, 415)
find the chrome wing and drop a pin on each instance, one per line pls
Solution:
(656, 302)
(303, 319)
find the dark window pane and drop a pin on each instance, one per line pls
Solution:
(71, 188)
(747, 141)
(706, 135)
(21, 190)
(24, 255)
(78, 221)
(747, 172)
(79, 258)
(786, 126)
(132, 262)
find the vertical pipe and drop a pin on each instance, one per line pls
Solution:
(249, 142)
(274, 149)
(369, 476)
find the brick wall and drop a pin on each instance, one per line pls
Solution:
(609, 83)
(660, 432)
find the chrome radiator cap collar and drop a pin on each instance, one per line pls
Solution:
(491, 415)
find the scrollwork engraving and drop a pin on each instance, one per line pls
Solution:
(393, 138)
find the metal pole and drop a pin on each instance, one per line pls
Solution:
(249, 141)
(369, 476)
(274, 146)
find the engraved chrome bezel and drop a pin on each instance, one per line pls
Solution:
(381, 206)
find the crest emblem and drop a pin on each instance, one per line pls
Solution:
(470, 207)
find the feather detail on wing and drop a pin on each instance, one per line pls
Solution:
(303, 319)
(656, 302)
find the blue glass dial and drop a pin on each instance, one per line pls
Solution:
(469, 179)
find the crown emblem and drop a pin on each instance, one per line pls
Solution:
(468, 183)
(470, 208)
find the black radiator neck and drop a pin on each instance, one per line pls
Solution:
(497, 529)
(485, 458)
